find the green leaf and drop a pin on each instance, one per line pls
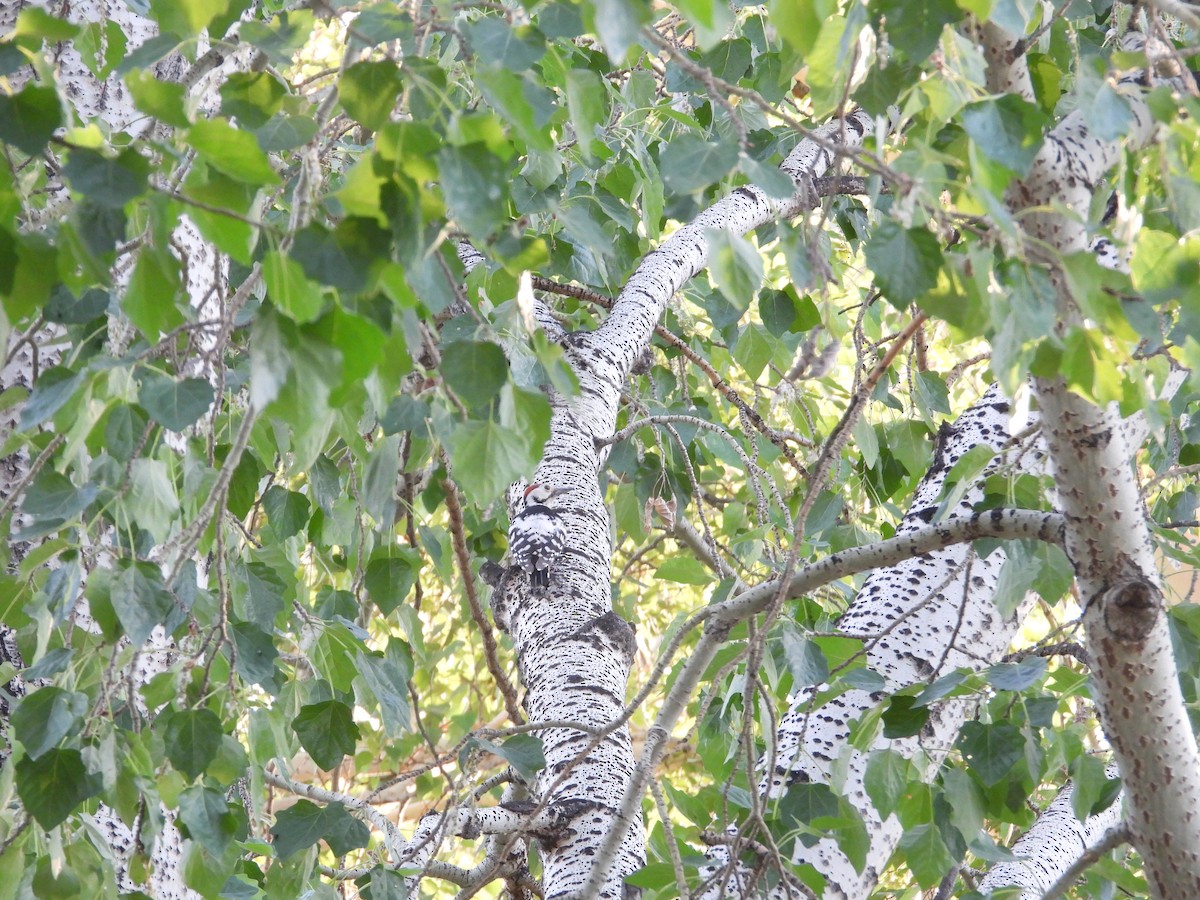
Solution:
(962, 477)
(926, 854)
(282, 36)
(991, 750)
(52, 390)
(368, 91)
(187, 17)
(905, 261)
(903, 718)
(496, 41)
(256, 654)
(232, 151)
(1017, 577)
(587, 99)
(526, 105)
(388, 683)
(522, 751)
(803, 804)
(689, 163)
(108, 182)
(1106, 112)
(304, 823)
(475, 185)
(684, 570)
(141, 601)
(153, 288)
(1093, 791)
(1007, 130)
(29, 117)
(798, 23)
(53, 498)
(221, 209)
(887, 775)
(165, 100)
(243, 486)
(475, 370)
(1017, 676)
(487, 458)
(150, 52)
(287, 511)
(51, 786)
(379, 482)
(39, 25)
(327, 731)
(285, 132)
(385, 884)
(805, 659)
(289, 289)
(343, 832)
(754, 349)
(390, 575)
(965, 800)
(258, 592)
(729, 60)
(251, 97)
(773, 180)
(175, 404)
(618, 23)
(916, 35)
(206, 815)
(45, 716)
(736, 267)
(191, 737)
(344, 258)
(63, 306)
(382, 22)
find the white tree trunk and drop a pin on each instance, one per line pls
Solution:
(920, 619)
(574, 651)
(1136, 683)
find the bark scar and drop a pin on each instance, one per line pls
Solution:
(1130, 609)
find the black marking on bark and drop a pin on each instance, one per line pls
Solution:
(520, 807)
(613, 630)
(492, 573)
(1093, 441)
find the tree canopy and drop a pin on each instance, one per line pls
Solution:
(781, 294)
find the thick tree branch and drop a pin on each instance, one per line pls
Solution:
(1058, 847)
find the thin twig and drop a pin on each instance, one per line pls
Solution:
(1110, 840)
(490, 647)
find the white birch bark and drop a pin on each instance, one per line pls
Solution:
(1135, 680)
(919, 620)
(1049, 848)
(574, 651)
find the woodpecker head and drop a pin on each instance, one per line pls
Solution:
(537, 494)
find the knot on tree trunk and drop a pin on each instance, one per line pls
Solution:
(563, 813)
(612, 630)
(1131, 609)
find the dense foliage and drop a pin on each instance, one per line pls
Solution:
(259, 459)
